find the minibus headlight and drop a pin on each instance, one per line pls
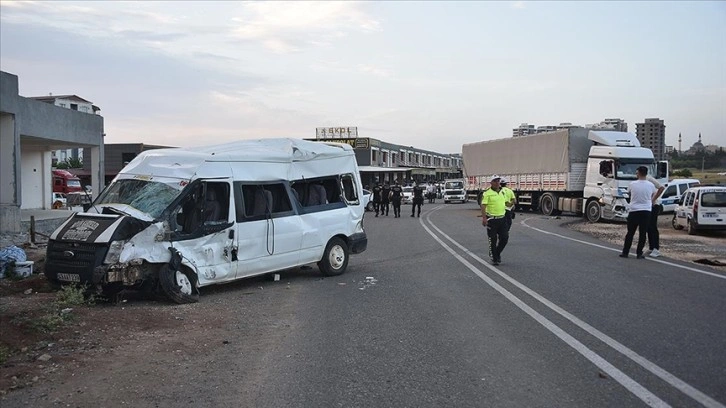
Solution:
(114, 252)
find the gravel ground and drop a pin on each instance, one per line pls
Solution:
(674, 244)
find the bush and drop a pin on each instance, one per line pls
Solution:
(686, 173)
(72, 295)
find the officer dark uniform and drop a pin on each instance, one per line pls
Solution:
(493, 211)
(417, 199)
(511, 200)
(396, 195)
(385, 198)
(377, 190)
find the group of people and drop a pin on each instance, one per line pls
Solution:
(385, 195)
(497, 211)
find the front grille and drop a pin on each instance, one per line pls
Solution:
(455, 192)
(85, 257)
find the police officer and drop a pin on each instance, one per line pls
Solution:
(385, 198)
(493, 211)
(395, 196)
(417, 199)
(510, 203)
(377, 190)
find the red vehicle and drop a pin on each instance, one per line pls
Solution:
(65, 182)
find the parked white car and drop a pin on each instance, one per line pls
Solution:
(58, 201)
(673, 192)
(368, 200)
(407, 195)
(701, 208)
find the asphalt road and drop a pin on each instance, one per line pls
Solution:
(559, 324)
(422, 320)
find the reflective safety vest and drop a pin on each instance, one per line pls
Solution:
(494, 200)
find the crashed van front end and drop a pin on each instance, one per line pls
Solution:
(87, 249)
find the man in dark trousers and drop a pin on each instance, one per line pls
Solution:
(642, 199)
(377, 190)
(493, 217)
(385, 198)
(395, 196)
(418, 199)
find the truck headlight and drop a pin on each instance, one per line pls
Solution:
(114, 252)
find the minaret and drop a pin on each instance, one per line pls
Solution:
(679, 143)
(699, 137)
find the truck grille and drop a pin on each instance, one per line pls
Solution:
(455, 192)
(74, 258)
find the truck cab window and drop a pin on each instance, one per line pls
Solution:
(606, 168)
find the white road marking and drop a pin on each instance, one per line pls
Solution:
(524, 222)
(642, 361)
(631, 385)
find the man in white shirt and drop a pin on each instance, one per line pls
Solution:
(642, 200)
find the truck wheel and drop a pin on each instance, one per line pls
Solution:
(370, 207)
(547, 204)
(335, 258)
(178, 285)
(593, 212)
(691, 228)
(675, 224)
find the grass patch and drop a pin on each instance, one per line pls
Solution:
(4, 354)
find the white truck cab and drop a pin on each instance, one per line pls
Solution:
(454, 191)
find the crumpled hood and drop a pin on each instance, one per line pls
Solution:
(98, 228)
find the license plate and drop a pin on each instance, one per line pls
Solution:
(710, 215)
(69, 277)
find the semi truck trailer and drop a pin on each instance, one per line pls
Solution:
(580, 171)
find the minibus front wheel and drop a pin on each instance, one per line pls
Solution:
(335, 257)
(177, 281)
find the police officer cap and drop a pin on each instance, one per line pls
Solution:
(495, 178)
(503, 180)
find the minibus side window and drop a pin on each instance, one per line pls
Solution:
(260, 201)
(349, 191)
(318, 194)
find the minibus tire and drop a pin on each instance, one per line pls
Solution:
(172, 289)
(337, 250)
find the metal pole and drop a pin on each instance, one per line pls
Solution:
(32, 229)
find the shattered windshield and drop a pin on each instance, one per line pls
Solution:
(149, 196)
(626, 169)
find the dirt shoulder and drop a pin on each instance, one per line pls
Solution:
(709, 246)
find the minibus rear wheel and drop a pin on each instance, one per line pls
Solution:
(335, 258)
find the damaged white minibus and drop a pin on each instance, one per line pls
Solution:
(175, 220)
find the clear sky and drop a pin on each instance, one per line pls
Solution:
(430, 74)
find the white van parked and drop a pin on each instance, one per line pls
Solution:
(180, 219)
(673, 192)
(701, 208)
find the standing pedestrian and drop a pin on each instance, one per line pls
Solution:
(493, 211)
(511, 201)
(395, 196)
(385, 198)
(642, 199)
(417, 199)
(431, 192)
(653, 233)
(377, 190)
